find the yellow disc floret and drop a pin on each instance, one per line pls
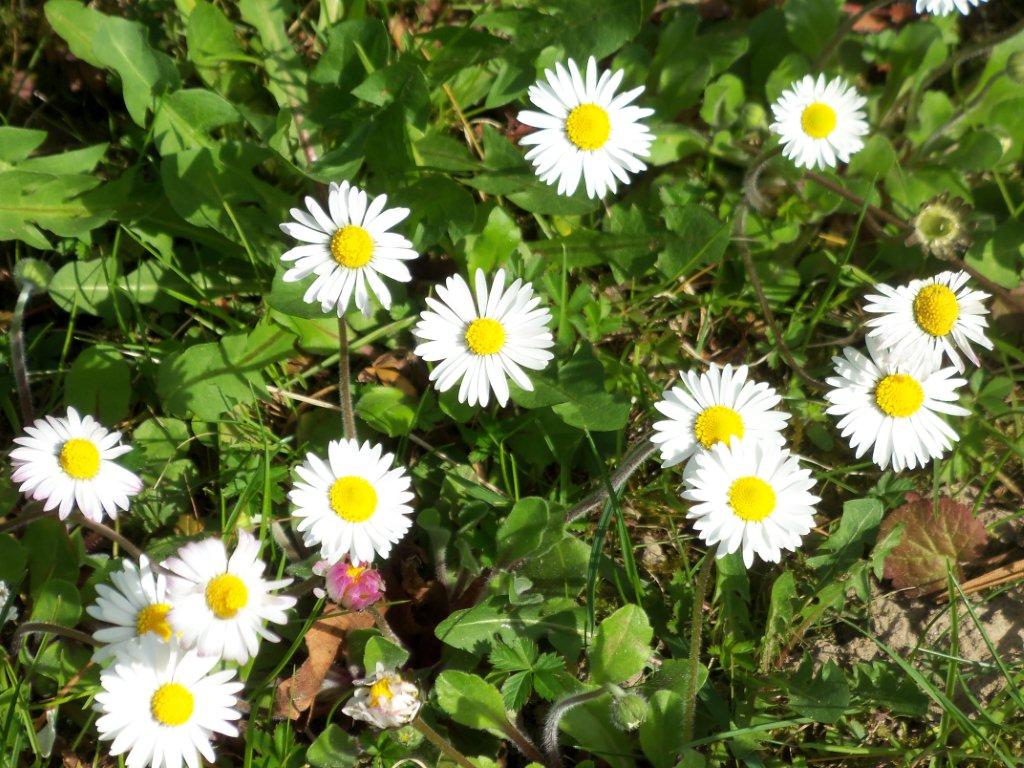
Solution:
(588, 127)
(717, 424)
(936, 310)
(153, 618)
(818, 120)
(899, 395)
(172, 704)
(226, 595)
(751, 498)
(80, 458)
(485, 336)
(353, 499)
(352, 246)
(380, 691)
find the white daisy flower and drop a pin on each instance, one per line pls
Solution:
(713, 408)
(161, 704)
(219, 603)
(349, 248)
(135, 606)
(486, 341)
(384, 699)
(355, 504)
(946, 7)
(585, 130)
(930, 318)
(819, 122)
(750, 495)
(69, 462)
(894, 405)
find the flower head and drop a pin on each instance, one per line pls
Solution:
(819, 122)
(946, 7)
(483, 341)
(384, 699)
(161, 704)
(354, 587)
(942, 227)
(355, 504)
(136, 605)
(219, 603)
(69, 462)
(585, 129)
(349, 248)
(752, 496)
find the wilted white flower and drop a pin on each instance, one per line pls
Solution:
(384, 699)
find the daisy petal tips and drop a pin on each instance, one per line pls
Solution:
(820, 123)
(946, 7)
(69, 462)
(584, 130)
(349, 247)
(483, 340)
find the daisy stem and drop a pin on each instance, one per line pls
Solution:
(45, 627)
(23, 519)
(19, 362)
(348, 419)
(700, 589)
(441, 743)
(109, 533)
(384, 627)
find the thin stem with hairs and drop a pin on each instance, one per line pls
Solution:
(45, 627)
(441, 743)
(19, 361)
(700, 589)
(555, 715)
(348, 418)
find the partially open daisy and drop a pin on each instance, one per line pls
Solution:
(819, 122)
(69, 462)
(354, 587)
(384, 699)
(483, 342)
(894, 404)
(946, 7)
(716, 407)
(349, 248)
(585, 129)
(355, 504)
(220, 603)
(751, 496)
(161, 704)
(930, 319)
(136, 605)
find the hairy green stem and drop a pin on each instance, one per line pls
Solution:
(555, 715)
(700, 589)
(635, 456)
(24, 519)
(441, 743)
(110, 534)
(32, 627)
(19, 361)
(348, 418)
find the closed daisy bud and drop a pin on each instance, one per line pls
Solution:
(942, 227)
(69, 462)
(820, 123)
(354, 587)
(384, 699)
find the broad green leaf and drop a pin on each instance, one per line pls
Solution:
(379, 650)
(660, 735)
(99, 383)
(622, 646)
(57, 602)
(387, 409)
(51, 554)
(856, 531)
(531, 529)
(333, 748)
(590, 726)
(13, 560)
(811, 23)
(492, 247)
(471, 701)
(86, 286)
(185, 118)
(31, 200)
(823, 696)
(18, 143)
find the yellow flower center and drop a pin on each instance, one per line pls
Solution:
(80, 458)
(588, 127)
(153, 618)
(354, 571)
(380, 691)
(172, 704)
(899, 395)
(936, 310)
(751, 498)
(353, 499)
(717, 424)
(352, 246)
(818, 120)
(226, 595)
(485, 336)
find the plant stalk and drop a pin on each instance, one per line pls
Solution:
(700, 590)
(441, 743)
(348, 418)
(19, 361)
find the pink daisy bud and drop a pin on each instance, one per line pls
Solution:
(352, 586)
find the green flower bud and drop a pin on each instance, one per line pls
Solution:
(629, 711)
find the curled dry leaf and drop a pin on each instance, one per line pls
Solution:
(934, 534)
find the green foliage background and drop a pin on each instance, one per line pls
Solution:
(142, 190)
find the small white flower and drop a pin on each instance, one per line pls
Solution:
(355, 504)
(820, 122)
(8, 612)
(161, 704)
(585, 130)
(930, 318)
(219, 604)
(946, 7)
(483, 342)
(750, 495)
(384, 699)
(69, 462)
(713, 408)
(136, 605)
(893, 405)
(349, 248)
